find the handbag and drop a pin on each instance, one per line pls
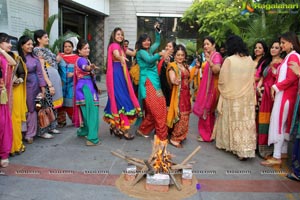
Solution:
(45, 117)
(135, 73)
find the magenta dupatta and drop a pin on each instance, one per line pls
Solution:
(110, 80)
(207, 94)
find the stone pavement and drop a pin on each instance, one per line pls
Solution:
(64, 168)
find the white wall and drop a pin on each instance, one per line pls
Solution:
(17, 15)
(97, 5)
(53, 10)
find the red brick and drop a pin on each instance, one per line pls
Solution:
(129, 177)
(157, 188)
(186, 181)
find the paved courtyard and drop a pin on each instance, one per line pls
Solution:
(64, 168)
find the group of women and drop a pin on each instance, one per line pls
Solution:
(229, 91)
(163, 92)
(35, 78)
(225, 101)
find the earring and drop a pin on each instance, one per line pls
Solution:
(292, 48)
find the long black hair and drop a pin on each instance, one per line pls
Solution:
(37, 35)
(267, 58)
(266, 52)
(235, 45)
(180, 47)
(81, 44)
(142, 38)
(292, 38)
(113, 35)
(23, 40)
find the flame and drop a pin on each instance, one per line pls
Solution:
(162, 158)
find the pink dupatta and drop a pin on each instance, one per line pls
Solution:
(207, 94)
(110, 80)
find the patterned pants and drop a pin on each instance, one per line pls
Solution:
(155, 112)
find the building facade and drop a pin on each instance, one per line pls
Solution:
(95, 20)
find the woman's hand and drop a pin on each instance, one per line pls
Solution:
(70, 74)
(52, 90)
(58, 58)
(272, 93)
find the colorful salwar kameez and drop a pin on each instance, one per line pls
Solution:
(34, 81)
(286, 88)
(52, 72)
(207, 99)
(265, 109)
(19, 107)
(122, 106)
(87, 100)
(6, 131)
(180, 104)
(65, 67)
(150, 93)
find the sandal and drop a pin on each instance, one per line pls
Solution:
(115, 131)
(46, 136)
(89, 143)
(242, 158)
(29, 140)
(21, 150)
(200, 139)
(61, 125)
(293, 177)
(4, 163)
(126, 134)
(271, 162)
(139, 133)
(54, 131)
(177, 145)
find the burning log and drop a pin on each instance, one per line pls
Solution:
(159, 162)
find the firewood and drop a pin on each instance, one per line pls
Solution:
(127, 159)
(190, 156)
(140, 175)
(181, 166)
(178, 185)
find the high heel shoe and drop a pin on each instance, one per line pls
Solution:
(126, 134)
(114, 131)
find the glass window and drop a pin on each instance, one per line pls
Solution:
(172, 30)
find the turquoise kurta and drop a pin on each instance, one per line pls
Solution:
(148, 69)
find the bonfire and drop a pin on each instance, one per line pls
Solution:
(159, 162)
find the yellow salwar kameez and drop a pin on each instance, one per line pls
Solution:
(19, 109)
